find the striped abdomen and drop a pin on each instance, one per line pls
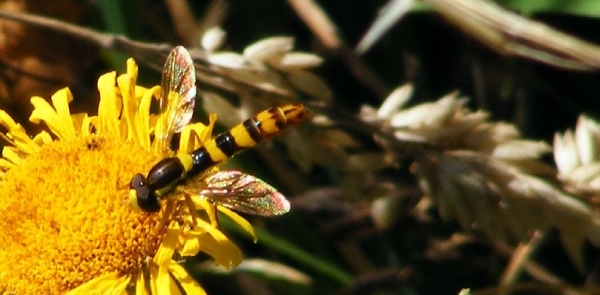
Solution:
(249, 133)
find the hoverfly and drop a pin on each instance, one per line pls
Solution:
(187, 172)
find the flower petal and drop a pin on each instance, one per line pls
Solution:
(61, 127)
(42, 138)
(140, 284)
(109, 107)
(164, 283)
(142, 119)
(224, 251)
(209, 207)
(185, 280)
(112, 283)
(167, 247)
(243, 223)
(60, 101)
(191, 247)
(194, 136)
(130, 105)
(10, 153)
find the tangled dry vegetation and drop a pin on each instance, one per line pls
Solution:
(481, 173)
(475, 171)
(396, 159)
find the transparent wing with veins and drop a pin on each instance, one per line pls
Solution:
(178, 96)
(241, 192)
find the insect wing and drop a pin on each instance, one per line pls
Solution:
(241, 192)
(178, 96)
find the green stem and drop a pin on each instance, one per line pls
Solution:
(291, 251)
(114, 18)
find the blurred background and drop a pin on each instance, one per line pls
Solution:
(366, 215)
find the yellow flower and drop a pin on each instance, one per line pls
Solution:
(66, 224)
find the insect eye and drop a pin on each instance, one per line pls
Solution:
(145, 197)
(137, 182)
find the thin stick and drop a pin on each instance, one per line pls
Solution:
(324, 29)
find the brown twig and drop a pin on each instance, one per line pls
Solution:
(345, 119)
(214, 15)
(148, 53)
(184, 21)
(510, 34)
(519, 258)
(324, 29)
(102, 40)
(532, 268)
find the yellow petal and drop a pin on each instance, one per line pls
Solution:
(42, 138)
(143, 116)
(129, 104)
(109, 107)
(225, 252)
(164, 283)
(112, 283)
(43, 111)
(119, 289)
(5, 165)
(209, 208)
(60, 101)
(191, 247)
(58, 120)
(132, 69)
(153, 283)
(10, 154)
(193, 136)
(187, 140)
(168, 245)
(7, 121)
(86, 126)
(188, 284)
(140, 284)
(206, 133)
(243, 223)
(27, 146)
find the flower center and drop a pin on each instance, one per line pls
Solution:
(65, 219)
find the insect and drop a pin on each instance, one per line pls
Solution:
(187, 172)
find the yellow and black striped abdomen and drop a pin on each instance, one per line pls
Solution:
(264, 125)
